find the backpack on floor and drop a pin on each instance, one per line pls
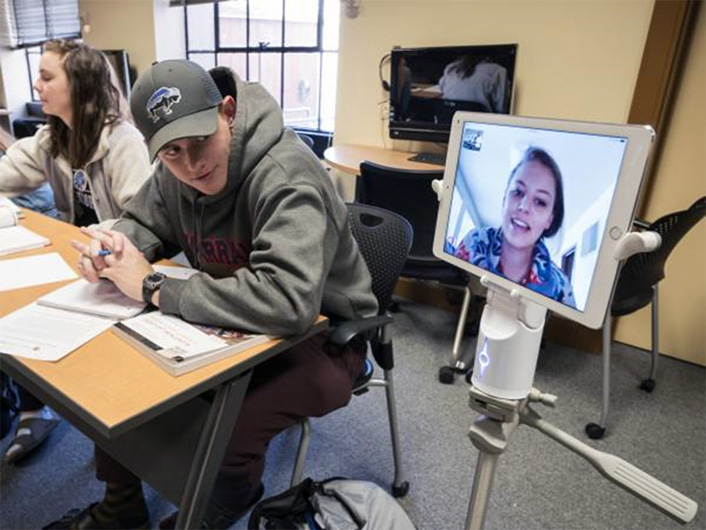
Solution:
(335, 503)
(9, 404)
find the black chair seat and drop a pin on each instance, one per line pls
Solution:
(625, 306)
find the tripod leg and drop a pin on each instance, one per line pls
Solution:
(482, 486)
(490, 436)
(595, 431)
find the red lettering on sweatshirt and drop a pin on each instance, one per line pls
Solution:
(221, 251)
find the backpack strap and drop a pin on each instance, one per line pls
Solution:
(285, 511)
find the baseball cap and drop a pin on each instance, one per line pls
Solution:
(172, 100)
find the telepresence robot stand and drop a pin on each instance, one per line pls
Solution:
(508, 346)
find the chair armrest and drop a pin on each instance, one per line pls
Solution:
(343, 333)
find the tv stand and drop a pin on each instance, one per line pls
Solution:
(438, 159)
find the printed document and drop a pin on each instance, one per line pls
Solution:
(34, 270)
(47, 334)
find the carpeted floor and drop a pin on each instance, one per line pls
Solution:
(538, 484)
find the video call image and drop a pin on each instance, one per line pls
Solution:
(531, 205)
(429, 87)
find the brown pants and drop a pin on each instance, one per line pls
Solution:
(309, 380)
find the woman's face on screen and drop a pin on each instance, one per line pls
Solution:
(528, 207)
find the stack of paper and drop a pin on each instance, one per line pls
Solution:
(15, 238)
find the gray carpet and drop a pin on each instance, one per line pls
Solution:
(539, 484)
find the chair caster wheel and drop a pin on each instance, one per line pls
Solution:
(648, 385)
(594, 431)
(469, 376)
(447, 375)
(401, 490)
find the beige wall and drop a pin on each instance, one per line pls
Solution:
(576, 59)
(122, 24)
(680, 178)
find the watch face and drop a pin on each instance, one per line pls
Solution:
(156, 278)
(150, 284)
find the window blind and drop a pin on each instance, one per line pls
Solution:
(31, 22)
(181, 3)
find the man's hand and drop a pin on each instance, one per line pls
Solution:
(112, 255)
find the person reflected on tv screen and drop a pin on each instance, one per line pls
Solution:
(404, 88)
(533, 209)
(476, 80)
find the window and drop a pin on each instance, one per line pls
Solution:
(30, 22)
(33, 55)
(289, 46)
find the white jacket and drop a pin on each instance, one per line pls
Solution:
(116, 171)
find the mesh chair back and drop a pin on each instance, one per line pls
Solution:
(384, 239)
(642, 271)
(409, 194)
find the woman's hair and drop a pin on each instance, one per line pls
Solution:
(535, 154)
(96, 101)
(464, 66)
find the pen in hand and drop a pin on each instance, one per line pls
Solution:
(104, 252)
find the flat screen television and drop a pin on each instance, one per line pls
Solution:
(427, 85)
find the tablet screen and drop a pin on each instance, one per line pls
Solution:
(530, 204)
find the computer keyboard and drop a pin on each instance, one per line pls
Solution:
(438, 159)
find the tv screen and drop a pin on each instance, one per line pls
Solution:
(427, 85)
(540, 206)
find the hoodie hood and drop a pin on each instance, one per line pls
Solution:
(257, 127)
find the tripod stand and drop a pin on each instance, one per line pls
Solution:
(510, 333)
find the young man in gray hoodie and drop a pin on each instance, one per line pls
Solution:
(255, 212)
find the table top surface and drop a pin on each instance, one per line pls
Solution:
(347, 158)
(102, 377)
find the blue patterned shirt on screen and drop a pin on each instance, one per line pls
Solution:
(482, 247)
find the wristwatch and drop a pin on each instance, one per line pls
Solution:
(152, 282)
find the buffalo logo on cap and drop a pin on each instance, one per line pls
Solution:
(163, 99)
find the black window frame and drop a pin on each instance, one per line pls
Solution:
(322, 137)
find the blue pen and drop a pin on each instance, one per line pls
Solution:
(104, 252)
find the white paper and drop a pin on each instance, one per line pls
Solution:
(8, 216)
(34, 270)
(4, 201)
(178, 273)
(101, 299)
(173, 334)
(47, 334)
(18, 238)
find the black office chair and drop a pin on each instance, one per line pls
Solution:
(409, 193)
(384, 239)
(308, 140)
(638, 286)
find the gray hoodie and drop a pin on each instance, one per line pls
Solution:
(274, 245)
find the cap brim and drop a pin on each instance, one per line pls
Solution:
(202, 123)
